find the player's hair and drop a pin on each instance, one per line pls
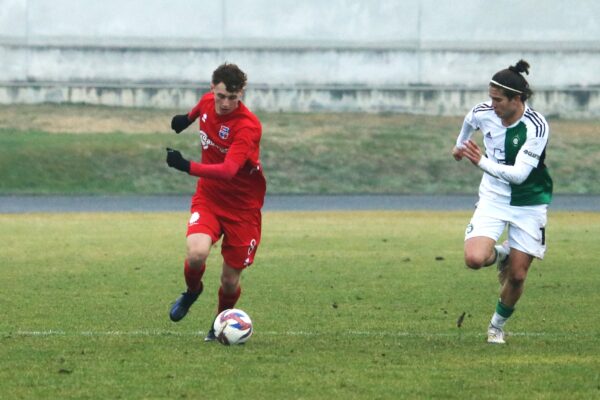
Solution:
(231, 75)
(511, 81)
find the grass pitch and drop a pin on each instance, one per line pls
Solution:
(76, 149)
(360, 305)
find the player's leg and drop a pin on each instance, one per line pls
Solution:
(480, 252)
(512, 289)
(481, 236)
(202, 232)
(229, 293)
(527, 240)
(482, 233)
(240, 243)
(241, 239)
(198, 249)
(518, 267)
(230, 289)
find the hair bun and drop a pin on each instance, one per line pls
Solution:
(520, 67)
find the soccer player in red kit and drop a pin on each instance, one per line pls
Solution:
(230, 189)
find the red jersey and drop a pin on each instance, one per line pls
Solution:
(232, 137)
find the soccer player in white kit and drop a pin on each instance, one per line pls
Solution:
(515, 189)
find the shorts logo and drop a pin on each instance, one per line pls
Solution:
(252, 246)
(469, 229)
(251, 249)
(194, 218)
(224, 132)
(204, 116)
(515, 141)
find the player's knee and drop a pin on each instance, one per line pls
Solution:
(229, 287)
(229, 283)
(196, 257)
(474, 261)
(198, 248)
(517, 279)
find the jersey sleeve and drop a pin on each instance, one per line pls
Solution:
(465, 134)
(531, 151)
(471, 118)
(470, 125)
(225, 170)
(195, 112)
(538, 132)
(515, 174)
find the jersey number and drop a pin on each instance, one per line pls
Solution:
(543, 236)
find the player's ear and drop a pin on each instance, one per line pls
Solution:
(212, 87)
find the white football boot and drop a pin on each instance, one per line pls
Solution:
(502, 261)
(495, 335)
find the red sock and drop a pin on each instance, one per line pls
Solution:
(193, 277)
(227, 301)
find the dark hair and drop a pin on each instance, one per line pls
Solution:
(512, 82)
(231, 75)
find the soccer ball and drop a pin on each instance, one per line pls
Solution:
(232, 326)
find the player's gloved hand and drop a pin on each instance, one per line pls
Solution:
(176, 160)
(180, 122)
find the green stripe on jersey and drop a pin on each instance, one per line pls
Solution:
(537, 188)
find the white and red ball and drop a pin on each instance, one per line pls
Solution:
(232, 326)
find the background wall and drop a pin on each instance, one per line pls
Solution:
(421, 56)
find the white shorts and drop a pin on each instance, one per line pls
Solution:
(526, 225)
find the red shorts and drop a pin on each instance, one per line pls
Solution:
(241, 233)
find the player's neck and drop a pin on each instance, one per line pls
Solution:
(517, 115)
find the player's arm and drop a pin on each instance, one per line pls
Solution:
(236, 157)
(515, 174)
(225, 170)
(465, 134)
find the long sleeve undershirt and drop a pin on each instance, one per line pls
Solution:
(225, 170)
(515, 174)
(465, 134)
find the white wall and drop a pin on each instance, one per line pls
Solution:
(300, 44)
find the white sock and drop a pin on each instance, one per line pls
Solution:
(498, 321)
(500, 253)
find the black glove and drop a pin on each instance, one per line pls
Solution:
(180, 122)
(176, 160)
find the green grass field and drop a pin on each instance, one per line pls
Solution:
(70, 149)
(354, 305)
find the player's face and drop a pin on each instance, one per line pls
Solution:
(225, 102)
(508, 110)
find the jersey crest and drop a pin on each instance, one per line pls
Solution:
(224, 132)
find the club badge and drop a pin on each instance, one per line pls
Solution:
(224, 132)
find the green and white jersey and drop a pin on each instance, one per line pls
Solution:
(527, 138)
